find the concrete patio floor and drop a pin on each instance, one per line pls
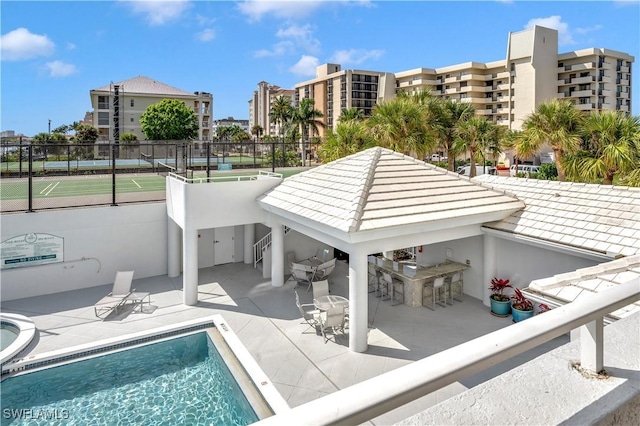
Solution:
(296, 359)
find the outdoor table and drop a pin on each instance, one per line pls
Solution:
(330, 301)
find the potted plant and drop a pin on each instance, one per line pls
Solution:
(521, 308)
(500, 302)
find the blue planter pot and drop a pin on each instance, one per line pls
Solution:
(500, 309)
(519, 315)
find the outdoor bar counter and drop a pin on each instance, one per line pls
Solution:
(414, 277)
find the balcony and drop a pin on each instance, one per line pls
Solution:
(582, 93)
(583, 80)
(607, 66)
(604, 79)
(622, 68)
(503, 86)
(564, 81)
(623, 108)
(623, 95)
(502, 111)
(585, 107)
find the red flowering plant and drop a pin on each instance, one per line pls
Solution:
(498, 285)
(543, 307)
(520, 302)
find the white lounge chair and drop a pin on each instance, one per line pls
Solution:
(118, 296)
(311, 317)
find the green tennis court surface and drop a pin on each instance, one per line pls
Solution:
(13, 189)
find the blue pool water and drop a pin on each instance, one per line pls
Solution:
(182, 381)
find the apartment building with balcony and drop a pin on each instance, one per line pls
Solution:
(508, 90)
(117, 107)
(260, 106)
(335, 89)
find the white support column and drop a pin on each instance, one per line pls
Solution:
(592, 346)
(190, 267)
(358, 301)
(174, 235)
(277, 255)
(249, 237)
(490, 267)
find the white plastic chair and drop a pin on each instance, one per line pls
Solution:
(311, 317)
(303, 274)
(325, 269)
(394, 287)
(456, 287)
(332, 318)
(320, 288)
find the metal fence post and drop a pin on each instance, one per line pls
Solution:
(30, 186)
(113, 175)
(208, 160)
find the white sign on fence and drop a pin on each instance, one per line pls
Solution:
(31, 249)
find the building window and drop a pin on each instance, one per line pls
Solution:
(103, 102)
(131, 119)
(132, 102)
(103, 118)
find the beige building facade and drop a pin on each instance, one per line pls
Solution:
(508, 90)
(117, 107)
(260, 107)
(335, 89)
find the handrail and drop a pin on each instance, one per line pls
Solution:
(225, 178)
(263, 244)
(378, 395)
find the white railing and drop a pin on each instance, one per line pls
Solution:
(238, 178)
(366, 400)
(262, 245)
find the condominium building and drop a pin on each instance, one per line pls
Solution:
(508, 90)
(117, 107)
(334, 89)
(260, 107)
(229, 122)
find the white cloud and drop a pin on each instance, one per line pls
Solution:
(20, 44)
(256, 9)
(206, 35)
(70, 46)
(203, 20)
(302, 36)
(555, 22)
(306, 66)
(355, 56)
(587, 30)
(158, 12)
(60, 69)
(279, 49)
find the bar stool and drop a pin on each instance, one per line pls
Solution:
(456, 287)
(374, 279)
(436, 291)
(395, 287)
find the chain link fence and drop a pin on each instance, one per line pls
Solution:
(50, 175)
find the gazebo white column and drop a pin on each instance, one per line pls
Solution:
(358, 300)
(249, 237)
(490, 267)
(190, 267)
(277, 255)
(174, 234)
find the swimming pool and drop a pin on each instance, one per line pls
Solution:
(16, 332)
(177, 380)
(8, 335)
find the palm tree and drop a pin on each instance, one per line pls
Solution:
(282, 114)
(403, 125)
(448, 115)
(306, 117)
(557, 123)
(348, 114)
(610, 147)
(475, 135)
(257, 131)
(350, 136)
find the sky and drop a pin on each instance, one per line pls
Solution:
(53, 53)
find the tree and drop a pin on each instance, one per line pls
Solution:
(169, 119)
(129, 140)
(475, 135)
(348, 114)
(609, 148)
(447, 117)
(257, 130)
(306, 117)
(557, 123)
(49, 143)
(282, 113)
(349, 137)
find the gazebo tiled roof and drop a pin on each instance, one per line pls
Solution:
(145, 85)
(379, 188)
(602, 219)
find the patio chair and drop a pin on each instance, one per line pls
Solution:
(434, 292)
(322, 254)
(118, 296)
(374, 279)
(311, 317)
(325, 269)
(320, 288)
(303, 274)
(333, 319)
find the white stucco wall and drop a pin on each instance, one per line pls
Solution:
(523, 263)
(97, 243)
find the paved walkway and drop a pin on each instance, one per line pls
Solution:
(268, 323)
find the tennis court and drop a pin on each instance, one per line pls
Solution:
(49, 187)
